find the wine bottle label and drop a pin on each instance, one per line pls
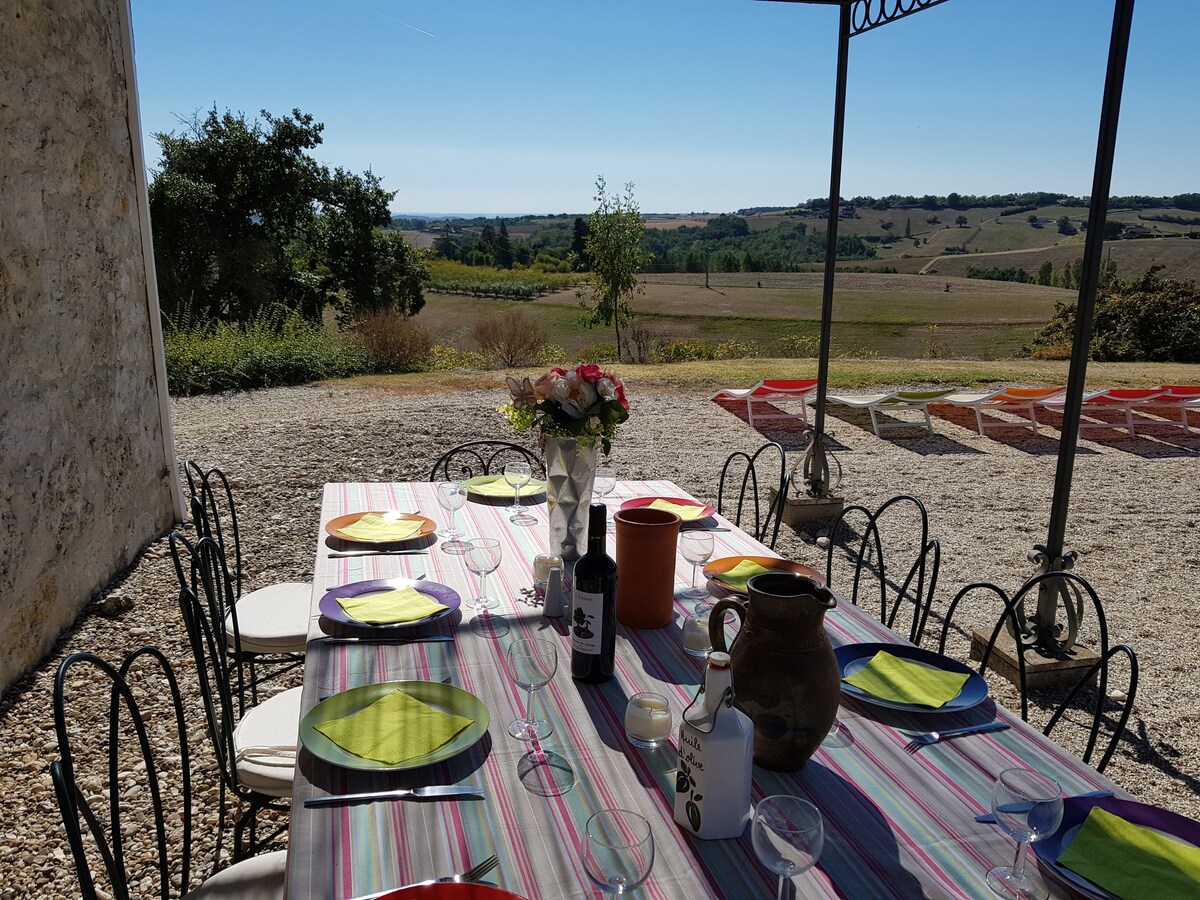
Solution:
(587, 616)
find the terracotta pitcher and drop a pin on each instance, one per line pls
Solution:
(646, 540)
(785, 676)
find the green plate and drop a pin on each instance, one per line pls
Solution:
(502, 487)
(444, 697)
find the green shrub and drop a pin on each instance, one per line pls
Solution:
(551, 355)
(684, 351)
(263, 353)
(392, 342)
(442, 358)
(797, 346)
(596, 353)
(735, 349)
(509, 339)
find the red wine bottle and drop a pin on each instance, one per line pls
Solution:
(594, 605)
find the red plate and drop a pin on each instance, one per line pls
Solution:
(725, 563)
(449, 891)
(639, 502)
(334, 526)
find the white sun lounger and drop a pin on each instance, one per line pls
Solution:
(1014, 400)
(771, 390)
(891, 403)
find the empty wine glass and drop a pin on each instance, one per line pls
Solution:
(618, 850)
(604, 482)
(531, 663)
(1029, 806)
(788, 835)
(451, 495)
(483, 558)
(517, 474)
(697, 548)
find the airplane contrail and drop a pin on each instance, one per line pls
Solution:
(398, 22)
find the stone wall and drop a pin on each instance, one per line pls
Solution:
(84, 477)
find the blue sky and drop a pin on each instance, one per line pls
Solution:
(473, 106)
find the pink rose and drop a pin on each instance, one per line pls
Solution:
(589, 372)
(542, 387)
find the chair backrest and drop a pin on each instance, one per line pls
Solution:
(476, 458)
(743, 493)
(112, 779)
(215, 515)
(1073, 594)
(907, 586)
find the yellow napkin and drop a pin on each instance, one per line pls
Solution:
(740, 574)
(374, 527)
(405, 604)
(889, 677)
(394, 729)
(685, 511)
(1130, 860)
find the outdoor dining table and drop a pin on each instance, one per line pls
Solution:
(898, 824)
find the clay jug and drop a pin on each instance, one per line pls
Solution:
(785, 675)
(646, 540)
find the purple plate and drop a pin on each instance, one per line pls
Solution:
(1076, 809)
(332, 610)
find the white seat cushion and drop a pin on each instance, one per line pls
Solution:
(256, 878)
(273, 619)
(265, 742)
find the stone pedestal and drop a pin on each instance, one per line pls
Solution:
(1040, 671)
(808, 512)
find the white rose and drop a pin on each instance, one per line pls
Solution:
(606, 389)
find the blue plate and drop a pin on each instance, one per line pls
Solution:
(444, 595)
(852, 657)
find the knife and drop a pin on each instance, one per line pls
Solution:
(419, 793)
(991, 816)
(337, 554)
(426, 639)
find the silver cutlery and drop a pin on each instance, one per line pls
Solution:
(933, 737)
(473, 874)
(425, 639)
(989, 817)
(417, 793)
(340, 554)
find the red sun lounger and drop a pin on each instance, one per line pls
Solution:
(770, 390)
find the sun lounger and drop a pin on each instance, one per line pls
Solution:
(891, 403)
(771, 390)
(1014, 400)
(1182, 397)
(1119, 399)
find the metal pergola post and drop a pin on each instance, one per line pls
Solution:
(857, 17)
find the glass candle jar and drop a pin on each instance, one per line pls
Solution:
(695, 636)
(542, 564)
(648, 720)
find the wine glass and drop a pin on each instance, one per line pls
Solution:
(517, 475)
(1029, 806)
(483, 558)
(451, 495)
(618, 850)
(697, 548)
(531, 663)
(788, 835)
(604, 482)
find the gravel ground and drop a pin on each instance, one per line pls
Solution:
(988, 498)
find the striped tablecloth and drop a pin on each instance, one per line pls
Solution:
(897, 824)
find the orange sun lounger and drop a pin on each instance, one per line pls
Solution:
(769, 390)
(1014, 400)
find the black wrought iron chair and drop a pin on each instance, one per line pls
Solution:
(123, 840)
(255, 745)
(745, 495)
(864, 552)
(273, 620)
(1100, 704)
(476, 458)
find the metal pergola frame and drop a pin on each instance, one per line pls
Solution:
(857, 17)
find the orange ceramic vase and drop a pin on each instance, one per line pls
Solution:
(646, 540)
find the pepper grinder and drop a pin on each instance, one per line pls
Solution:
(555, 605)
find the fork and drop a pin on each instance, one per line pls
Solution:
(476, 872)
(933, 737)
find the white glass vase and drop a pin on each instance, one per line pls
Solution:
(570, 471)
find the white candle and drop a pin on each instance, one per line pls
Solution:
(648, 719)
(695, 635)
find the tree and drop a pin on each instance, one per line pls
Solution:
(1113, 229)
(908, 228)
(1064, 225)
(579, 234)
(245, 222)
(1045, 273)
(614, 248)
(504, 248)
(1033, 220)
(960, 221)
(954, 201)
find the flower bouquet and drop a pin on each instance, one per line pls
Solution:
(583, 402)
(577, 411)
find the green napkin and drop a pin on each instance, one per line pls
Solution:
(405, 604)
(685, 511)
(889, 677)
(741, 573)
(1130, 860)
(394, 729)
(498, 487)
(376, 527)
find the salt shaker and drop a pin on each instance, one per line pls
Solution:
(555, 604)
